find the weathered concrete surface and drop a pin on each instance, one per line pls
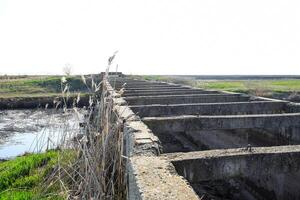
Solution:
(177, 92)
(293, 107)
(144, 84)
(192, 123)
(274, 172)
(157, 179)
(173, 141)
(149, 87)
(140, 140)
(184, 99)
(236, 138)
(219, 153)
(233, 120)
(223, 108)
(279, 128)
(149, 176)
(163, 89)
(137, 92)
(156, 88)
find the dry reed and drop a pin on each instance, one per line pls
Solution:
(98, 169)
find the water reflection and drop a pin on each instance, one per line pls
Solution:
(35, 130)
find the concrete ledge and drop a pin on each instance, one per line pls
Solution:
(219, 153)
(151, 87)
(129, 91)
(139, 139)
(156, 179)
(228, 108)
(170, 87)
(149, 176)
(169, 92)
(141, 84)
(192, 123)
(185, 99)
(293, 107)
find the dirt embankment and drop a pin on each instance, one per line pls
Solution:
(38, 102)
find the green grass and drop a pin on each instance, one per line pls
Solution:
(38, 86)
(22, 177)
(278, 86)
(222, 85)
(262, 87)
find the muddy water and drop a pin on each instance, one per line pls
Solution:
(35, 130)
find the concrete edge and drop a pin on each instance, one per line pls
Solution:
(230, 152)
(149, 175)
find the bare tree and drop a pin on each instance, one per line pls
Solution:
(67, 69)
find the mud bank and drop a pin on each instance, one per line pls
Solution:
(38, 102)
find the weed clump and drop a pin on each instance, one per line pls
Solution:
(98, 170)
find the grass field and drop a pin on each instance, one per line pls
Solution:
(36, 86)
(22, 178)
(247, 86)
(256, 87)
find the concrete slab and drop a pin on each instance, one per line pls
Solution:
(156, 88)
(226, 108)
(161, 90)
(193, 123)
(142, 87)
(156, 179)
(170, 92)
(219, 153)
(185, 99)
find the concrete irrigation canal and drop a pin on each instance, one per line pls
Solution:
(188, 143)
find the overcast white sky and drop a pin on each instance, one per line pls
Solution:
(152, 36)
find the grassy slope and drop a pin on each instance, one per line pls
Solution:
(37, 86)
(21, 178)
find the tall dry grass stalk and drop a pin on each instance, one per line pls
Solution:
(97, 170)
